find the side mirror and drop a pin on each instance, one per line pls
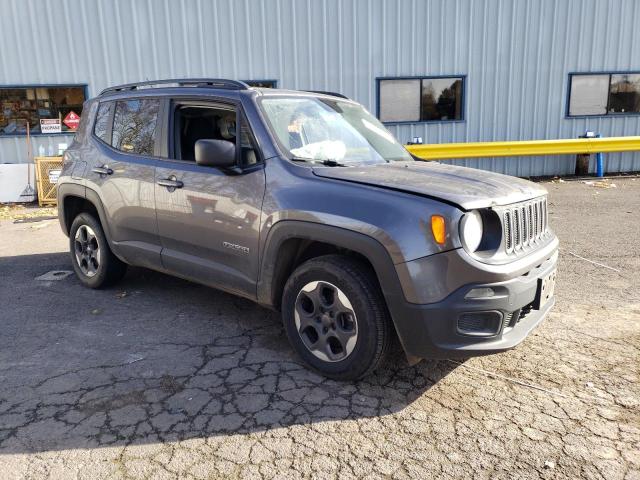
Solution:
(215, 153)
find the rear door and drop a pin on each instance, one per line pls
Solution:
(208, 221)
(122, 172)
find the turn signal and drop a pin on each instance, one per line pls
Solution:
(438, 229)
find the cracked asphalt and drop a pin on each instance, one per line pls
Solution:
(161, 378)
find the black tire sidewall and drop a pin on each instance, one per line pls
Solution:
(364, 305)
(100, 278)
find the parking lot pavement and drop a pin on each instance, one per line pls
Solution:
(161, 378)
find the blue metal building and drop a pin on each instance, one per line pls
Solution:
(443, 70)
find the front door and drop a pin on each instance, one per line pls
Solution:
(208, 218)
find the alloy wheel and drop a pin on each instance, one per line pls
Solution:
(326, 321)
(87, 250)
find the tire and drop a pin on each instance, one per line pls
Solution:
(93, 261)
(308, 305)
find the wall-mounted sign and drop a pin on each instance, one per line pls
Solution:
(50, 125)
(72, 120)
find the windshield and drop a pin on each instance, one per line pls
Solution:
(318, 129)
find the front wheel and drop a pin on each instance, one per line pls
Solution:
(93, 261)
(335, 317)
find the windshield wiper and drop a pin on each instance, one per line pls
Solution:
(326, 162)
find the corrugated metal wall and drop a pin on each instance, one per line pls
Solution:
(516, 55)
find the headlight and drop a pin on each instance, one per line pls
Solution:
(471, 230)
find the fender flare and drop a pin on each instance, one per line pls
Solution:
(65, 190)
(367, 246)
(73, 189)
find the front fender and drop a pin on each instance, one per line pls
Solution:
(366, 246)
(400, 221)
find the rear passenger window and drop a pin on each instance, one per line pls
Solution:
(134, 126)
(101, 128)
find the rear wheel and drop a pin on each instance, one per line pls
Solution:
(336, 318)
(93, 261)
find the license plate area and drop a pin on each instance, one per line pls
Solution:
(546, 287)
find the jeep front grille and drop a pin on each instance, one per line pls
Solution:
(524, 224)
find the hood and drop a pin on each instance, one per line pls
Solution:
(468, 188)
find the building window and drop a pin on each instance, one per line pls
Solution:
(603, 94)
(20, 106)
(262, 83)
(423, 99)
(134, 126)
(624, 93)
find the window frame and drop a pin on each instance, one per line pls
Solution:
(84, 86)
(159, 147)
(567, 113)
(463, 99)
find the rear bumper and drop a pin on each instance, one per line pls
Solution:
(459, 326)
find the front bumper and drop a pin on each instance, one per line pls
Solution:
(434, 330)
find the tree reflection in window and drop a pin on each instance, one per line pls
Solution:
(134, 126)
(442, 99)
(101, 128)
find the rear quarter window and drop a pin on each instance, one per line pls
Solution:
(102, 128)
(134, 126)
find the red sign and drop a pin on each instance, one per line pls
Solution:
(72, 120)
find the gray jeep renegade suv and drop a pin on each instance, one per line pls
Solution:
(303, 202)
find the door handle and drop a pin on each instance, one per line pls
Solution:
(104, 170)
(170, 183)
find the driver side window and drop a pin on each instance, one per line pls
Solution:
(199, 122)
(193, 123)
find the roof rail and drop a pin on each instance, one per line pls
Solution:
(180, 82)
(332, 94)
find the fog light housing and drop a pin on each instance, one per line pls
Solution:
(480, 324)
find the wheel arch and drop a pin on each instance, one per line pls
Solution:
(291, 242)
(74, 199)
